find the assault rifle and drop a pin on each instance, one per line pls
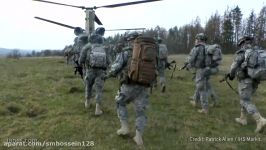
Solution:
(169, 65)
(225, 79)
(78, 69)
(184, 67)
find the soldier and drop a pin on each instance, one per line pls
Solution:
(196, 59)
(79, 41)
(247, 86)
(67, 50)
(131, 91)
(94, 57)
(162, 62)
(212, 62)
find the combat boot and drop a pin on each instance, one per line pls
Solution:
(191, 97)
(242, 119)
(193, 103)
(138, 138)
(163, 88)
(261, 122)
(87, 103)
(124, 130)
(98, 110)
(203, 111)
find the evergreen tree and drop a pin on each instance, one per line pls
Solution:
(213, 28)
(261, 28)
(227, 32)
(236, 19)
(251, 23)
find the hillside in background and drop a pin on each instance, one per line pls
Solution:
(5, 51)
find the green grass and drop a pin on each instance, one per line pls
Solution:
(41, 98)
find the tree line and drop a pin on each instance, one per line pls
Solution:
(44, 53)
(223, 29)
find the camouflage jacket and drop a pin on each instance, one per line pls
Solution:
(196, 57)
(79, 42)
(163, 52)
(119, 67)
(236, 69)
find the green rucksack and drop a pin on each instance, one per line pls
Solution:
(213, 55)
(255, 63)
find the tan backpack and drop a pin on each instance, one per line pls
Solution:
(142, 66)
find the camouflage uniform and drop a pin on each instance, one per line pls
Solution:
(196, 59)
(246, 86)
(129, 92)
(67, 53)
(80, 40)
(161, 66)
(210, 89)
(94, 76)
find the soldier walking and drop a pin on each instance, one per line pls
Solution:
(96, 60)
(246, 85)
(196, 59)
(162, 62)
(135, 81)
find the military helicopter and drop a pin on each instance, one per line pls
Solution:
(91, 17)
(79, 28)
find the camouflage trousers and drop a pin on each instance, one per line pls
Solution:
(161, 71)
(202, 83)
(246, 88)
(94, 77)
(210, 90)
(210, 93)
(139, 96)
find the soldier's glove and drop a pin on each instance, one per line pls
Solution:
(168, 66)
(79, 69)
(207, 71)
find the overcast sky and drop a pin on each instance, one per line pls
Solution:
(19, 29)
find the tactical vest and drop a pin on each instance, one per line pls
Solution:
(241, 72)
(199, 61)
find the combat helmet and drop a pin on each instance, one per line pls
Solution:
(96, 39)
(131, 36)
(78, 31)
(201, 37)
(244, 39)
(100, 31)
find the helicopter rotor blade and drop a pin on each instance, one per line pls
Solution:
(97, 20)
(126, 4)
(54, 22)
(126, 29)
(82, 7)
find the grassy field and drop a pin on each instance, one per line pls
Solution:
(41, 100)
